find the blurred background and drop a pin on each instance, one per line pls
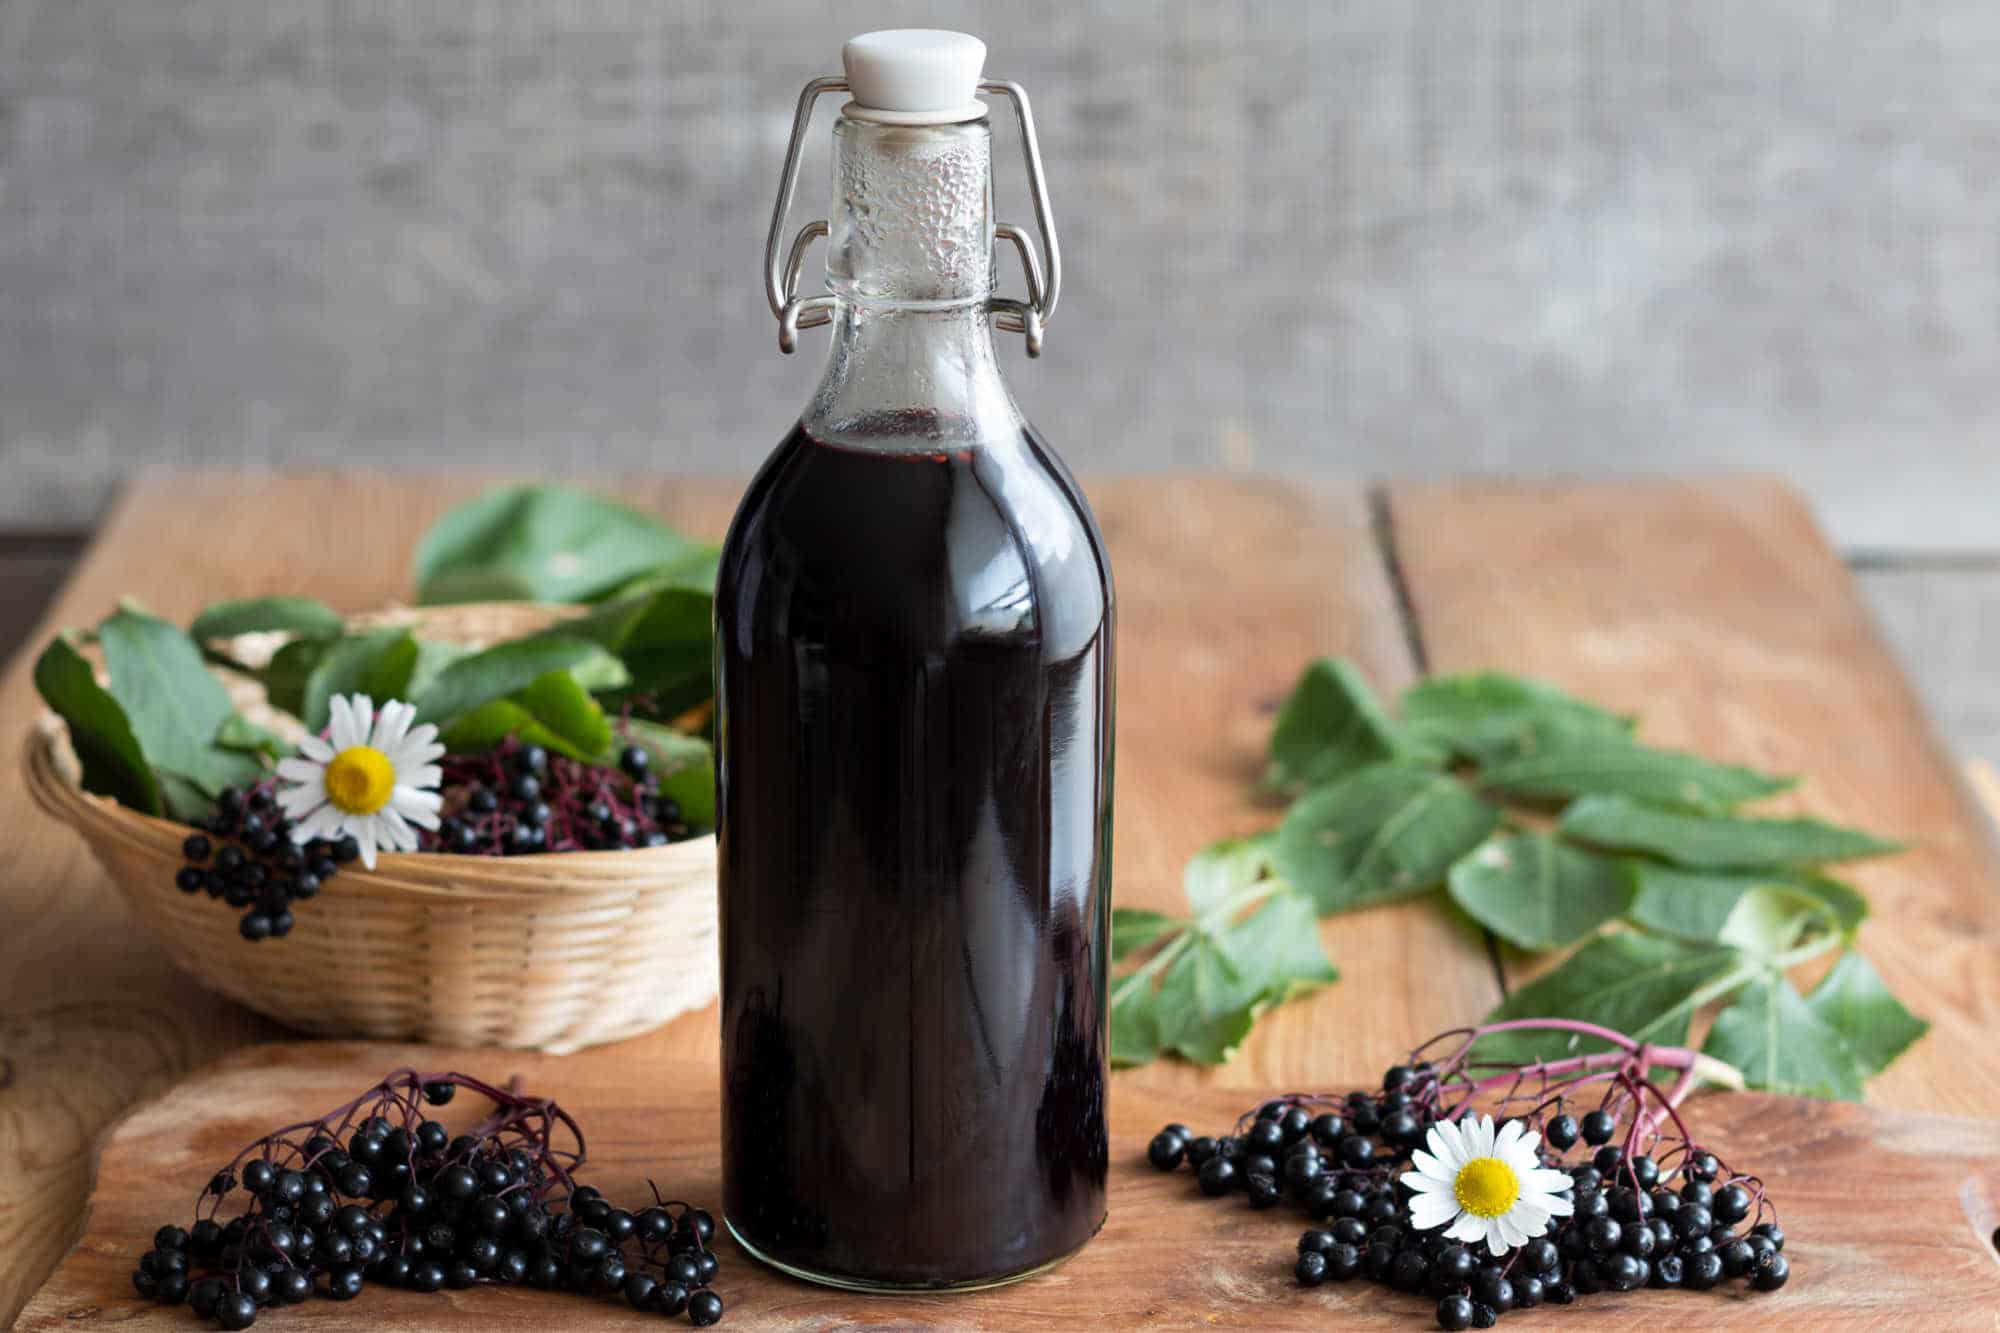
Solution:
(1535, 237)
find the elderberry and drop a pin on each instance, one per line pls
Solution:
(1646, 1208)
(500, 1207)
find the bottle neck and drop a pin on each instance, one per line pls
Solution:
(910, 266)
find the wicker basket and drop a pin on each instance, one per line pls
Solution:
(554, 952)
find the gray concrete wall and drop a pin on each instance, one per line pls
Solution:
(1368, 237)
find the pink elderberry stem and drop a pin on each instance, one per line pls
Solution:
(1616, 1038)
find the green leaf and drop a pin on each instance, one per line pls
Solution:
(1489, 717)
(240, 733)
(174, 704)
(304, 616)
(1205, 1006)
(433, 656)
(695, 568)
(541, 543)
(1712, 842)
(1765, 912)
(1223, 869)
(1852, 1000)
(1536, 893)
(1330, 725)
(1383, 832)
(1135, 1022)
(1781, 1045)
(286, 675)
(670, 650)
(1642, 985)
(114, 765)
(1277, 948)
(1134, 929)
(1215, 984)
(1694, 904)
(1611, 764)
(498, 672)
(686, 765)
(182, 799)
(378, 663)
(1848, 906)
(552, 711)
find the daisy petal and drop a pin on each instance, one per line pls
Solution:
(1431, 1210)
(419, 807)
(1510, 1231)
(390, 725)
(400, 835)
(1419, 1183)
(1467, 1228)
(299, 770)
(1496, 1241)
(1450, 1145)
(1479, 1137)
(316, 749)
(1427, 1165)
(340, 723)
(423, 775)
(323, 822)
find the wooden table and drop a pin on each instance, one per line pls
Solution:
(1713, 608)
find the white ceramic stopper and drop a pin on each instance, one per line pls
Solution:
(914, 76)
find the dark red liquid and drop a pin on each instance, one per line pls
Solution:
(914, 667)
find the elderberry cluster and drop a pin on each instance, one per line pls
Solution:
(519, 799)
(243, 853)
(376, 1192)
(1681, 1220)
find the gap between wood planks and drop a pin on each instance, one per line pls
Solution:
(1382, 527)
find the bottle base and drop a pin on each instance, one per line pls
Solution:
(875, 1287)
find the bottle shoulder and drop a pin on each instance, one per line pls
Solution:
(989, 540)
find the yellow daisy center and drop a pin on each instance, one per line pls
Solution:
(360, 780)
(1486, 1187)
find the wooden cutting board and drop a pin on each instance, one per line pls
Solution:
(1889, 1216)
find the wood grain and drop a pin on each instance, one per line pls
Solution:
(1918, 1253)
(1717, 611)
(1225, 588)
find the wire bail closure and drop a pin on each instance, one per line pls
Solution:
(783, 268)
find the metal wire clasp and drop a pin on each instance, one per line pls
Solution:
(783, 265)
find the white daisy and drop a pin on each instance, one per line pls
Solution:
(370, 785)
(1488, 1186)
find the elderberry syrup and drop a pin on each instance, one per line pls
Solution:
(914, 627)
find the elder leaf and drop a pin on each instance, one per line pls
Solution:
(1330, 725)
(1223, 869)
(176, 706)
(114, 765)
(307, 617)
(1645, 986)
(1135, 929)
(1852, 1000)
(1611, 764)
(1383, 832)
(1715, 842)
(1538, 893)
(1489, 717)
(1782, 1045)
(542, 543)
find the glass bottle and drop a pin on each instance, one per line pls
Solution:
(914, 628)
